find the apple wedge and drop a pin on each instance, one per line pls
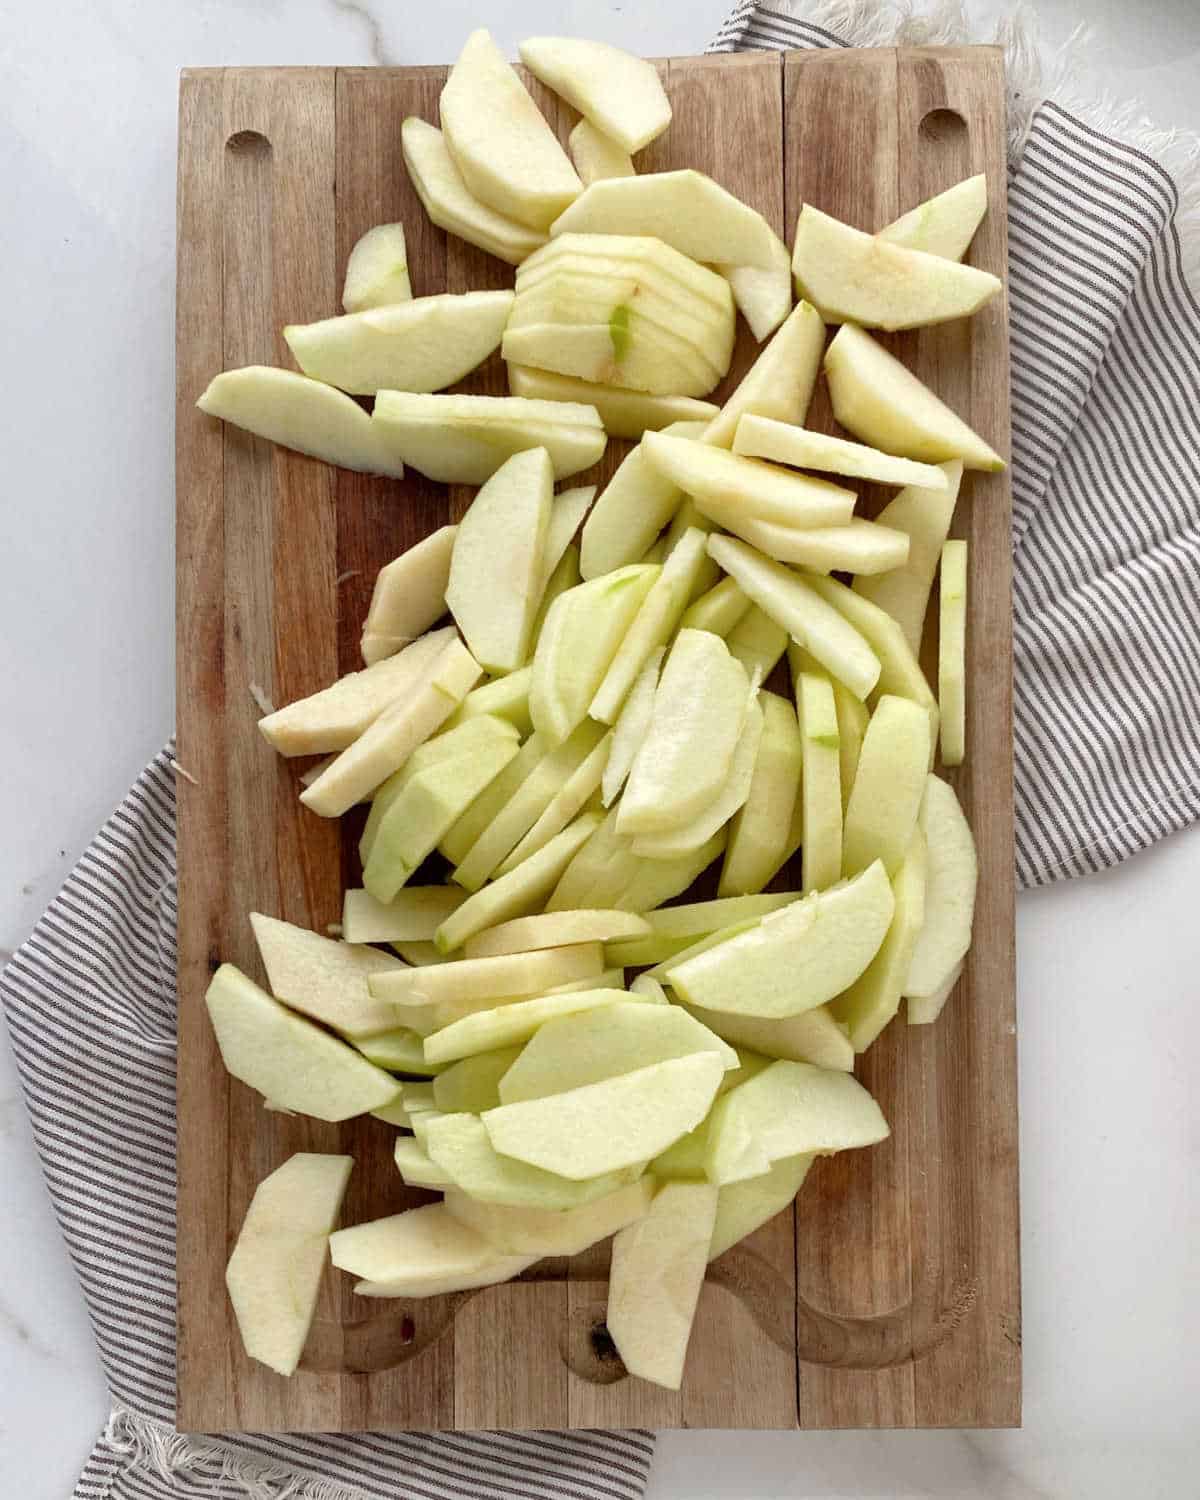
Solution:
(655, 263)
(275, 1270)
(577, 793)
(464, 980)
(626, 350)
(422, 345)
(401, 1050)
(718, 610)
(952, 874)
(324, 978)
(377, 270)
(302, 414)
(794, 603)
(794, 959)
(654, 1284)
(852, 277)
(624, 413)
(619, 1122)
(618, 93)
(923, 1010)
(781, 380)
(632, 726)
(507, 154)
(763, 294)
(650, 882)
(554, 929)
(547, 1231)
(678, 927)
(686, 209)
(452, 206)
(785, 443)
(417, 1169)
(634, 506)
(822, 792)
(489, 804)
(877, 399)
(813, 1036)
(889, 784)
(507, 1025)
(566, 516)
(409, 596)
(503, 698)
(596, 155)
(465, 439)
(867, 1006)
(924, 516)
(287, 1059)
(472, 1084)
(743, 1207)
(757, 641)
(952, 650)
(421, 1253)
(859, 547)
(944, 225)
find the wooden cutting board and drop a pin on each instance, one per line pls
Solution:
(891, 1299)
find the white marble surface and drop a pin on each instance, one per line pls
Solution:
(1108, 967)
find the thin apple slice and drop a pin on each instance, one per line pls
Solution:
(689, 518)
(418, 1169)
(618, 1122)
(680, 320)
(655, 262)
(943, 225)
(923, 1010)
(624, 413)
(422, 345)
(650, 882)
(575, 795)
(924, 516)
(336, 716)
(626, 350)
(452, 206)
(565, 576)
(546, 1231)
(852, 277)
(401, 1050)
(274, 1273)
(952, 653)
(654, 1284)
(814, 1036)
(419, 954)
(596, 155)
(699, 708)
(786, 443)
(743, 1207)
(763, 294)
(686, 209)
(423, 1252)
(324, 978)
(377, 270)
(506, 1025)
(472, 1084)
(781, 380)
(634, 506)
(620, 94)
(952, 874)
(873, 999)
(409, 596)
(794, 959)
(757, 641)
(598, 873)
(554, 929)
(505, 698)
(822, 795)
(302, 414)
(566, 517)
(288, 1059)
(794, 603)
(889, 784)
(464, 980)
(678, 927)
(507, 154)
(465, 439)
(632, 726)
(759, 831)
(718, 610)
(858, 547)
(489, 804)
(877, 399)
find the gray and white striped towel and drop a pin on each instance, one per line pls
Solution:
(1106, 351)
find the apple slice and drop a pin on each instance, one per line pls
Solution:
(618, 1122)
(852, 277)
(598, 873)
(423, 345)
(620, 94)
(507, 154)
(944, 225)
(583, 631)
(923, 1010)
(654, 1284)
(465, 439)
(743, 1207)
(324, 978)
(758, 834)
(555, 929)
(952, 653)
(506, 1025)
(596, 155)
(419, 1170)
(274, 1273)
(874, 998)
(606, 1043)
(336, 716)
(952, 874)
(723, 483)
(789, 1109)
(781, 380)
(794, 603)
(409, 596)
(490, 803)
(699, 708)
(423, 1252)
(794, 959)
(565, 576)
(632, 726)
(463, 980)
(288, 1059)
(654, 261)
(625, 350)
(377, 270)
(785, 443)
(546, 1231)
(634, 506)
(401, 1050)
(924, 516)
(624, 413)
(302, 414)
(757, 642)
(889, 784)
(822, 795)
(505, 698)
(678, 927)
(813, 1036)
(566, 517)
(718, 610)
(472, 1084)
(877, 399)
(650, 882)
(526, 805)
(577, 792)
(394, 735)
(418, 954)
(763, 294)
(451, 205)
(686, 209)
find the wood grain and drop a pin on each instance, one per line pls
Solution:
(891, 1296)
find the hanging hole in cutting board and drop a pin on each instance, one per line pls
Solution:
(942, 127)
(247, 142)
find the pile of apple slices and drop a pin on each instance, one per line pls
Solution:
(591, 732)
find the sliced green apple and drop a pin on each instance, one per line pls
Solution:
(952, 649)
(743, 1207)
(490, 978)
(506, 1025)
(822, 794)
(923, 1010)
(377, 270)
(504, 698)
(655, 262)
(786, 443)
(418, 1169)
(472, 1084)
(566, 575)
(577, 793)
(633, 723)
(566, 517)
(650, 882)
(489, 804)
(758, 834)
(409, 596)
(678, 927)
(781, 380)
(634, 506)
(620, 94)
(889, 784)
(547, 1231)
(763, 293)
(943, 225)
(625, 350)
(624, 413)
(718, 610)
(401, 1050)
(952, 874)
(757, 641)
(597, 155)
(324, 978)
(423, 1252)
(553, 929)
(814, 1036)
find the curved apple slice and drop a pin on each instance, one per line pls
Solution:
(597, 155)
(952, 875)
(625, 413)
(944, 225)
(377, 270)
(620, 94)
